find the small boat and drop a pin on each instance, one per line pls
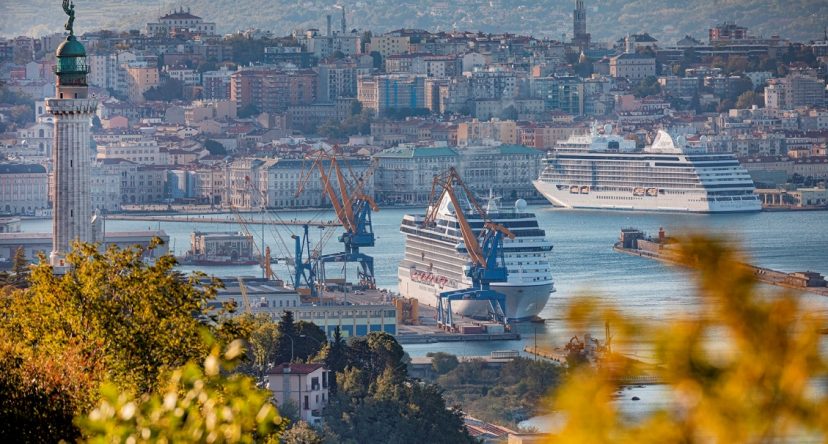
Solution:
(574, 189)
(652, 191)
(584, 190)
(638, 191)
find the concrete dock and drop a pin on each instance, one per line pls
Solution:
(426, 330)
(661, 251)
(220, 220)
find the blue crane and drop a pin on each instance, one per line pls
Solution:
(353, 208)
(485, 250)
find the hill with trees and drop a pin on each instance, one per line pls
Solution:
(607, 20)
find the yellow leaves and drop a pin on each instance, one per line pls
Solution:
(744, 369)
(196, 406)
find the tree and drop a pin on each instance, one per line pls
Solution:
(648, 86)
(747, 100)
(248, 110)
(20, 267)
(215, 148)
(334, 355)
(309, 340)
(301, 433)
(169, 90)
(760, 390)
(443, 363)
(111, 317)
(286, 345)
(195, 402)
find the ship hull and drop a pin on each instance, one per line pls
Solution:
(523, 302)
(604, 200)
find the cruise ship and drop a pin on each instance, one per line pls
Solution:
(435, 260)
(606, 171)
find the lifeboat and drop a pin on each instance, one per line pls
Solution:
(584, 190)
(652, 191)
(638, 191)
(574, 189)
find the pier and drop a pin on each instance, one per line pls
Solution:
(220, 220)
(633, 242)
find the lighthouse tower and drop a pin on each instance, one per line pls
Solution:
(71, 158)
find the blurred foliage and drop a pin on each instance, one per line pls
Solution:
(744, 369)
(196, 404)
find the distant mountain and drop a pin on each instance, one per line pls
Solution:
(667, 20)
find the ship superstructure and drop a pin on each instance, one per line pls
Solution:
(606, 171)
(436, 260)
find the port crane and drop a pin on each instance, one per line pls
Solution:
(484, 249)
(353, 209)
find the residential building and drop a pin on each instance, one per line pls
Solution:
(303, 385)
(141, 77)
(385, 93)
(795, 90)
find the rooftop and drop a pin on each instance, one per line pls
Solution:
(21, 168)
(301, 369)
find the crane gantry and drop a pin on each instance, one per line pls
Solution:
(353, 209)
(485, 250)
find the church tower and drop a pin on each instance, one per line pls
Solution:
(71, 158)
(579, 28)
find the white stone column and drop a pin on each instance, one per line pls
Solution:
(71, 158)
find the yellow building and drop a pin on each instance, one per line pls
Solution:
(140, 78)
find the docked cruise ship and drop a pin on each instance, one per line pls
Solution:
(434, 263)
(606, 171)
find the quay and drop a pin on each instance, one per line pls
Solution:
(635, 243)
(220, 220)
(423, 329)
(645, 377)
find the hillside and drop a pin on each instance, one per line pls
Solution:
(667, 20)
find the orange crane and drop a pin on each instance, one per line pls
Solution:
(484, 249)
(353, 208)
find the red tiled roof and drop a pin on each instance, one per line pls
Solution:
(302, 369)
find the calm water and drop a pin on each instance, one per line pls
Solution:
(583, 259)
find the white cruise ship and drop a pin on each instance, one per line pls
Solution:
(433, 262)
(606, 171)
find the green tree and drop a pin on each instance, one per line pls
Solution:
(215, 148)
(20, 267)
(195, 404)
(443, 363)
(647, 87)
(286, 345)
(742, 368)
(747, 100)
(111, 317)
(310, 339)
(248, 110)
(168, 91)
(301, 433)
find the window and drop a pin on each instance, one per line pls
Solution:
(305, 404)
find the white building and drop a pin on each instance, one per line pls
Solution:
(632, 66)
(305, 385)
(145, 152)
(23, 189)
(180, 22)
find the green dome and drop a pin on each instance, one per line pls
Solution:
(71, 48)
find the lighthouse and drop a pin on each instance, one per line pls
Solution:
(72, 110)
